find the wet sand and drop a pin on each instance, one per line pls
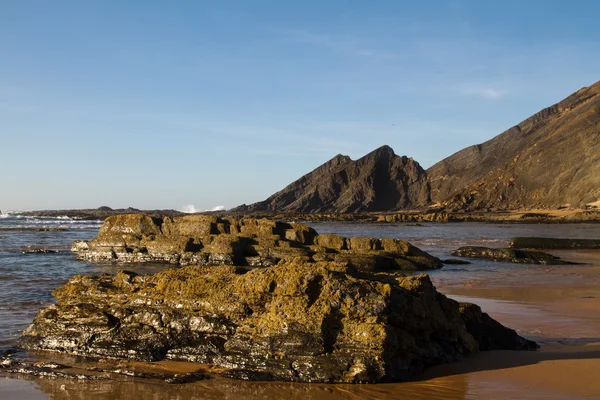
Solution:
(557, 306)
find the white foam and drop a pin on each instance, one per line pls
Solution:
(217, 208)
(189, 209)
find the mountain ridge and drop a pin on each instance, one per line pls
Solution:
(549, 160)
(378, 181)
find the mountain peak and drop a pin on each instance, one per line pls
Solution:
(381, 151)
(375, 182)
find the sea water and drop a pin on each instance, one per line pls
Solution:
(28, 279)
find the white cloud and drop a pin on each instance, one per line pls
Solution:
(217, 208)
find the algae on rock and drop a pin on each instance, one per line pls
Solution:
(210, 240)
(296, 321)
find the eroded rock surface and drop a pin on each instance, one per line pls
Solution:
(210, 240)
(297, 321)
(508, 255)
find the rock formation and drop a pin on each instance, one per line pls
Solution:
(508, 255)
(297, 321)
(549, 160)
(379, 181)
(210, 240)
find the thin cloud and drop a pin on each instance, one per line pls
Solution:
(482, 91)
(339, 45)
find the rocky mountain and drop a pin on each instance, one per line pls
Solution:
(379, 181)
(551, 159)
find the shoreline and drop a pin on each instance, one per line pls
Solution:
(523, 216)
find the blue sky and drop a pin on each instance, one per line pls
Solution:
(158, 104)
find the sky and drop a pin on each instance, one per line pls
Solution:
(198, 104)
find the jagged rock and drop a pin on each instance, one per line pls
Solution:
(508, 255)
(210, 240)
(297, 321)
(489, 333)
(553, 243)
(379, 181)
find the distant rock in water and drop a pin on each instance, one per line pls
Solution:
(210, 240)
(297, 321)
(549, 160)
(379, 181)
(508, 255)
(553, 243)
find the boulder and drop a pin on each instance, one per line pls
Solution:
(331, 241)
(508, 255)
(191, 226)
(301, 233)
(363, 244)
(296, 321)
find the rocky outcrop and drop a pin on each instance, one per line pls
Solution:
(379, 181)
(209, 240)
(508, 255)
(416, 217)
(548, 160)
(553, 243)
(297, 321)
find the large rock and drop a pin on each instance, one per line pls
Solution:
(508, 255)
(209, 240)
(297, 321)
(553, 243)
(379, 181)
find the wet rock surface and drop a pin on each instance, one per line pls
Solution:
(297, 321)
(210, 240)
(37, 250)
(90, 369)
(553, 243)
(509, 255)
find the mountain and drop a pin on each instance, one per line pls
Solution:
(379, 181)
(551, 159)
